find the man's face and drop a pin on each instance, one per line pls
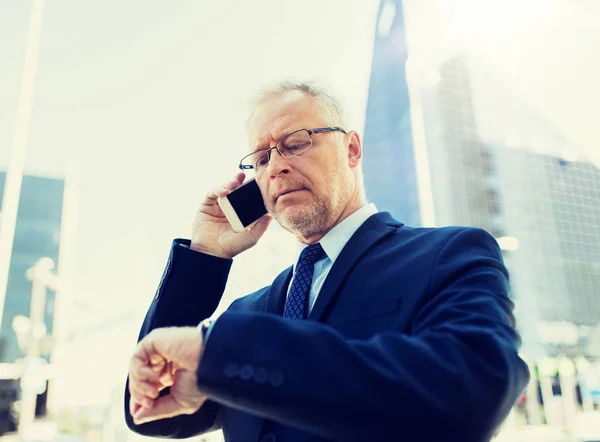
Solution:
(306, 194)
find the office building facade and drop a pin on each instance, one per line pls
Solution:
(549, 207)
(37, 235)
(389, 160)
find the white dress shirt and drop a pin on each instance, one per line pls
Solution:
(333, 243)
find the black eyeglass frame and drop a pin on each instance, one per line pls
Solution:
(318, 130)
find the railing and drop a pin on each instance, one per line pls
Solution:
(561, 403)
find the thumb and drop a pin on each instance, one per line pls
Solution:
(163, 408)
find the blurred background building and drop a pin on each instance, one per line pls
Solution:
(390, 156)
(40, 234)
(543, 209)
(37, 235)
(428, 161)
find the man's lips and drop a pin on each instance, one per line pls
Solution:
(286, 192)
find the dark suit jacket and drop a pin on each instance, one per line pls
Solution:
(411, 338)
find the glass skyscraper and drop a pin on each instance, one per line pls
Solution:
(552, 208)
(389, 160)
(37, 235)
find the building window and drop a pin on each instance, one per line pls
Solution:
(492, 201)
(487, 162)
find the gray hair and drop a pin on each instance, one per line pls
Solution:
(329, 105)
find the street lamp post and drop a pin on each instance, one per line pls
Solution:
(41, 278)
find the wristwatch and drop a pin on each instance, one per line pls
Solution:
(204, 327)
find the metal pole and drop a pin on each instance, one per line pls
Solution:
(548, 398)
(566, 372)
(534, 415)
(14, 174)
(36, 316)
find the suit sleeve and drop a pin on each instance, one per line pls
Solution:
(454, 377)
(190, 291)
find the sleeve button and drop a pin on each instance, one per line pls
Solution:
(246, 373)
(261, 375)
(276, 379)
(231, 370)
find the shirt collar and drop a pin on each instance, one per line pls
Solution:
(335, 240)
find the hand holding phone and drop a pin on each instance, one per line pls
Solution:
(212, 231)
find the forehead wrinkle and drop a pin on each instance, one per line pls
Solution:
(275, 131)
(279, 119)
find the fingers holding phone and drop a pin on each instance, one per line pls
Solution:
(231, 219)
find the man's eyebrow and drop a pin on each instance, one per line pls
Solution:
(259, 148)
(277, 140)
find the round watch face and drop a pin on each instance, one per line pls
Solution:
(204, 326)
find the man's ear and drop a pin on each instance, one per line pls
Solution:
(354, 149)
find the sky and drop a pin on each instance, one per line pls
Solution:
(147, 99)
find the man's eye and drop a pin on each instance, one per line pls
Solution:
(262, 160)
(295, 147)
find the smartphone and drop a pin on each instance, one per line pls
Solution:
(244, 206)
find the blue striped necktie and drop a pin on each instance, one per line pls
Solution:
(296, 304)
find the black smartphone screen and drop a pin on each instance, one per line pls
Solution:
(248, 203)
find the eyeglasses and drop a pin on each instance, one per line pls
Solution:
(289, 146)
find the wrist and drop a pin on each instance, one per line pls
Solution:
(190, 348)
(202, 249)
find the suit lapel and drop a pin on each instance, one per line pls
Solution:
(278, 292)
(373, 230)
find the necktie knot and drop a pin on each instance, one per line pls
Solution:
(311, 254)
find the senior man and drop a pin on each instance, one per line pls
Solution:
(378, 332)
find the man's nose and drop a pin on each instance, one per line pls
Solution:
(277, 164)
